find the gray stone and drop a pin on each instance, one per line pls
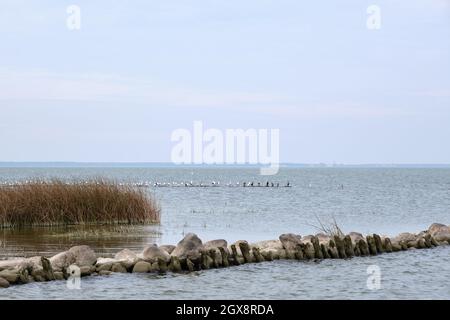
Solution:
(215, 244)
(152, 253)
(188, 247)
(125, 254)
(271, 249)
(62, 260)
(84, 255)
(355, 237)
(440, 232)
(142, 267)
(290, 241)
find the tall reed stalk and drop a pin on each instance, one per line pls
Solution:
(54, 202)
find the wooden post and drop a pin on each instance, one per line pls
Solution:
(189, 265)
(348, 247)
(162, 265)
(332, 250)
(224, 253)
(378, 243)
(245, 249)
(317, 250)
(257, 255)
(309, 252)
(388, 245)
(340, 247)
(363, 247)
(214, 258)
(235, 255)
(356, 250)
(205, 261)
(299, 252)
(371, 245)
(267, 255)
(174, 264)
(325, 253)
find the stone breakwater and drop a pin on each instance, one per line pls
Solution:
(191, 254)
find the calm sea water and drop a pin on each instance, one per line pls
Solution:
(385, 201)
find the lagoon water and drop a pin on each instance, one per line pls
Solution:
(382, 200)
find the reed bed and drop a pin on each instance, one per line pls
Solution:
(55, 203)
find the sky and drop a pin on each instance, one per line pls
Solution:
(115, 89)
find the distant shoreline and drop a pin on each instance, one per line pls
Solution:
(172, 165)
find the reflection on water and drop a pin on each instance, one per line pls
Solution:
(105, 240)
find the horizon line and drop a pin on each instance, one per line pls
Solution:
(81, 164)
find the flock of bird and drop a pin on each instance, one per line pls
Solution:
(214, 184)
(148, 184)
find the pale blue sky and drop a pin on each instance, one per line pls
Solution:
(137, 70)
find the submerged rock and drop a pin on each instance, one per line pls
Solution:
(440, 232)
(290, 241)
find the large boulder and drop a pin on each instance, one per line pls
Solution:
(84, 255)
(188, 247)
(272, 248)
(215, 244)
(153, 252)
(40, 267)
(127, 258)
(406, 237)
(62, 261)
(125, 254)
(355, 237)
(78, 255)
(323, 238)
(13, 263)
(290, 241)
(439, 232)
(168, 248)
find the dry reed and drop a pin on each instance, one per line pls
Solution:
(54, 202)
